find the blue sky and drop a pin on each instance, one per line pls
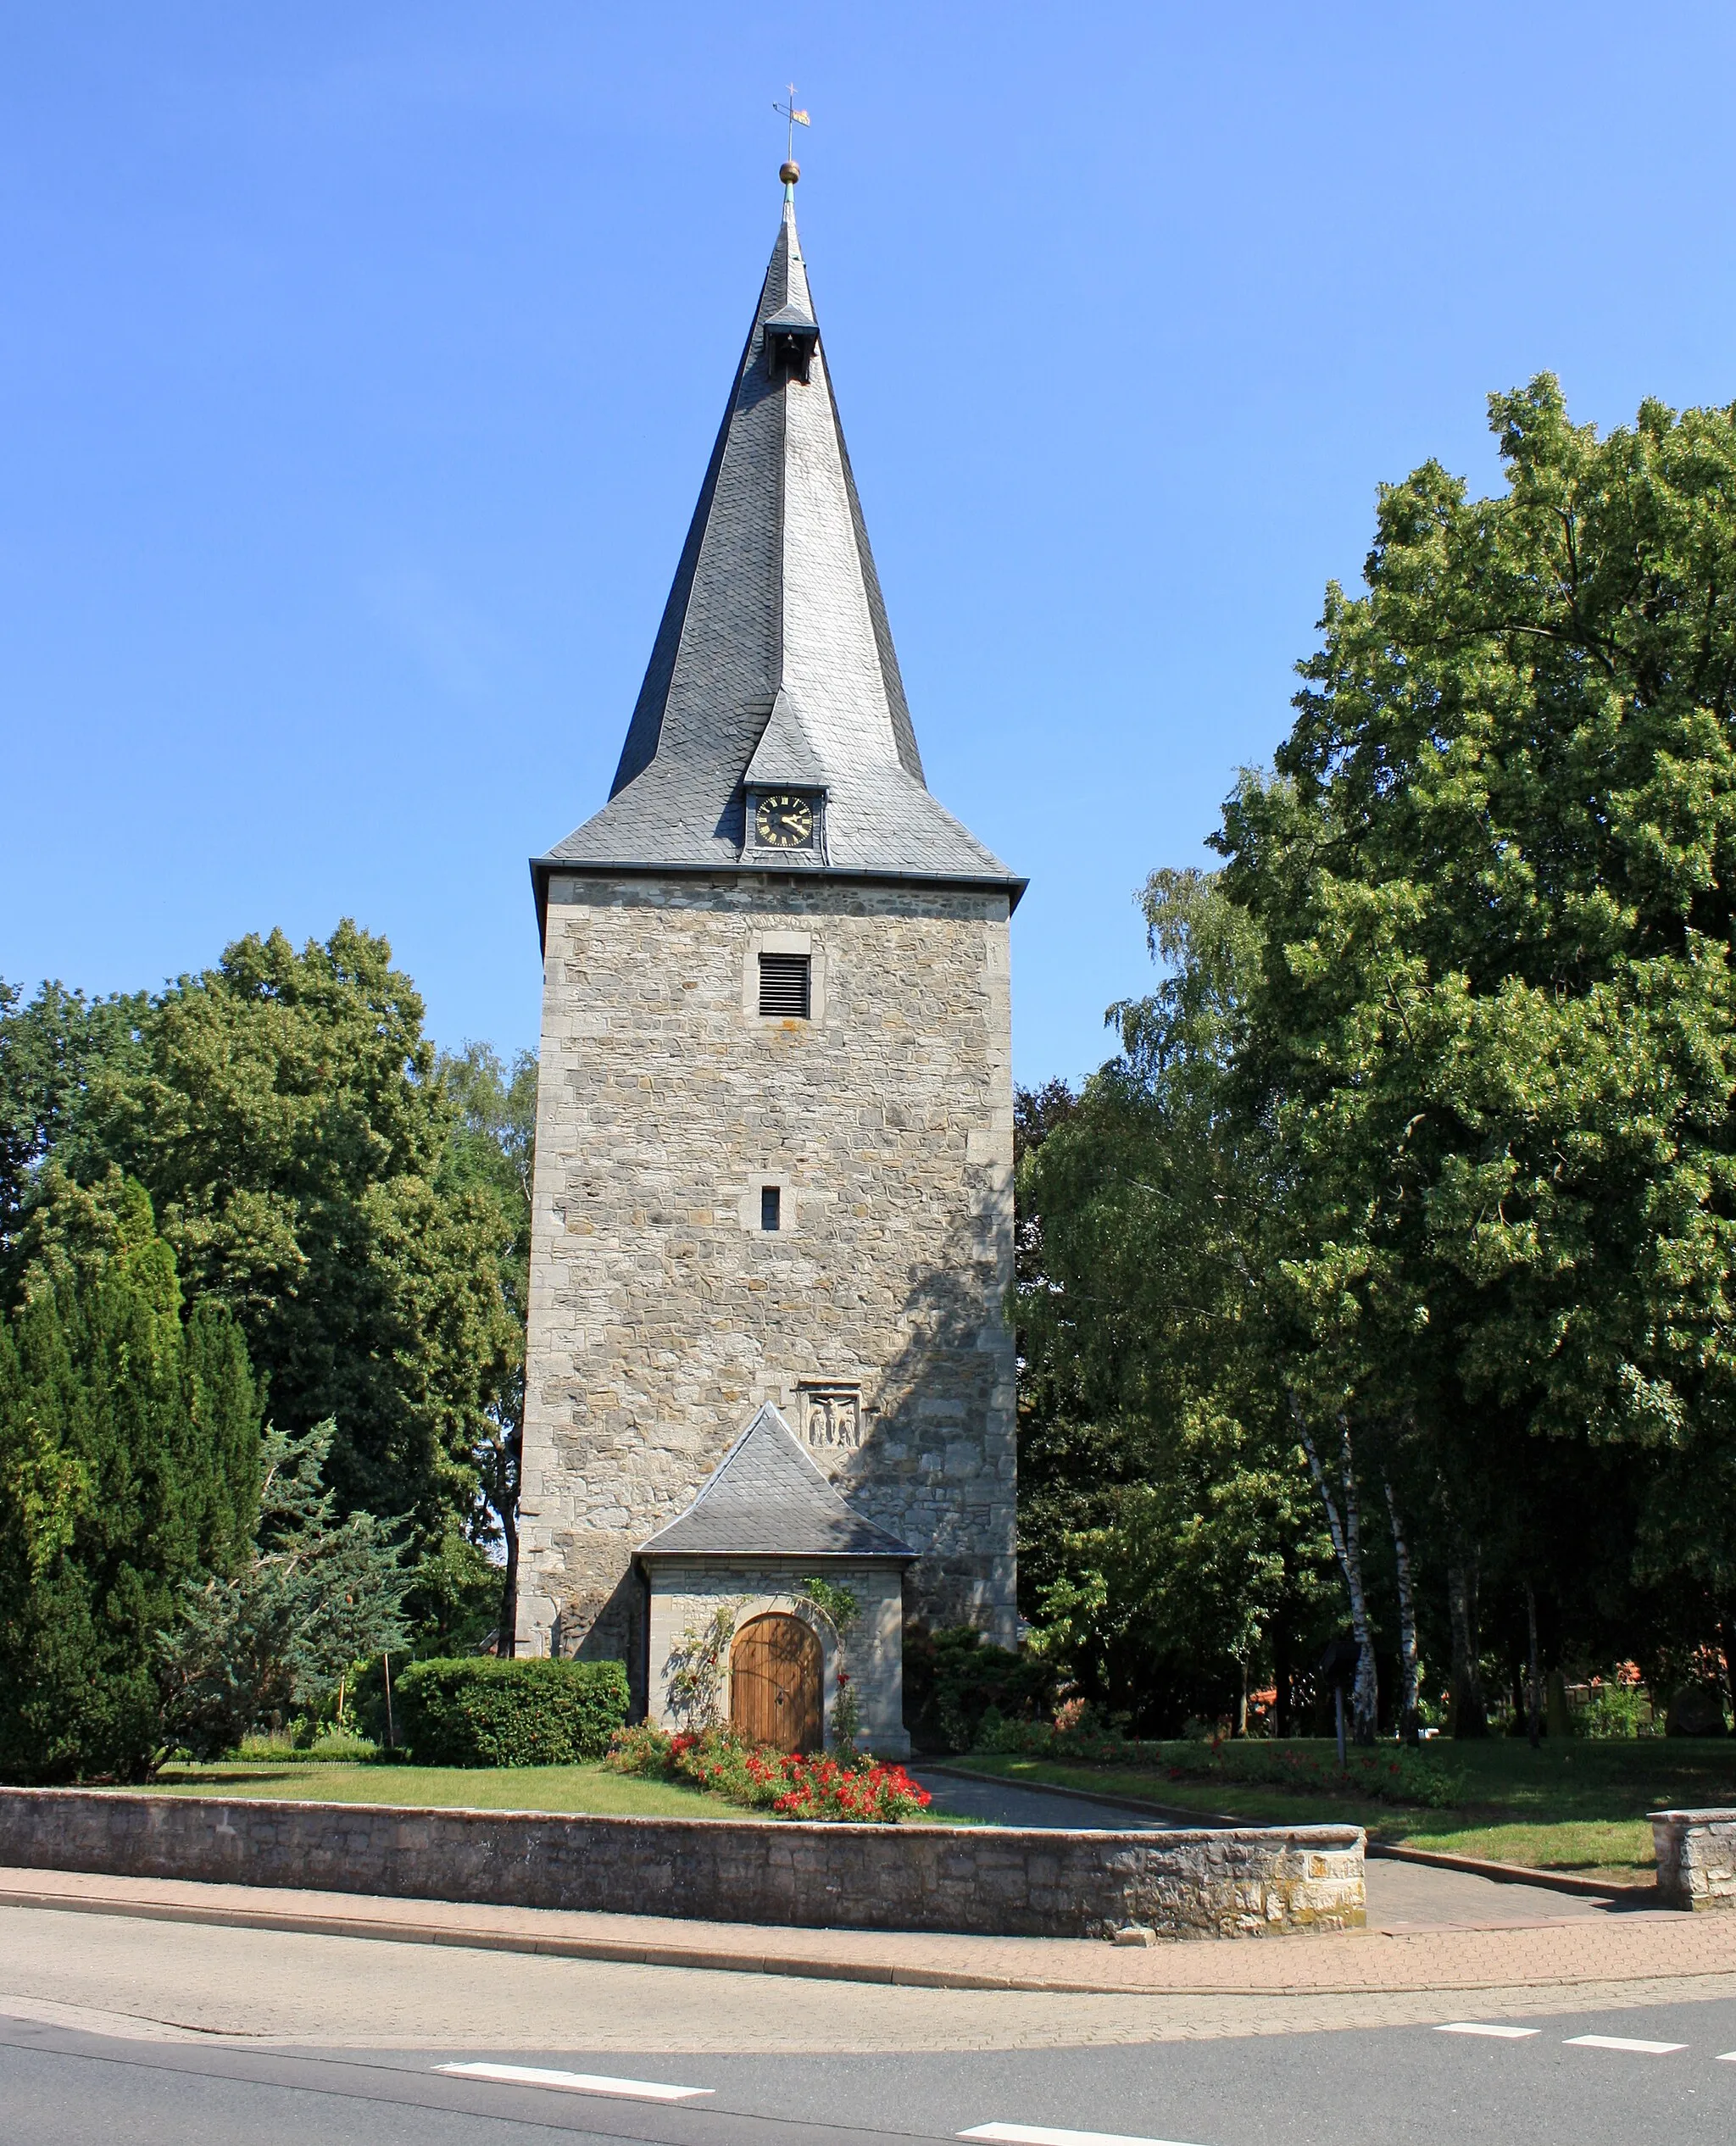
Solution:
(358, 365)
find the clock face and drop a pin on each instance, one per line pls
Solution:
(783, 821)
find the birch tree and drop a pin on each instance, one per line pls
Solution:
(1343, 1514)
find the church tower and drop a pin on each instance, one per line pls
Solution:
(773, 1209)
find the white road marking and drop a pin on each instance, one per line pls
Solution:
(1728, 2057)
(1039, 2135)
(531, 2074)
(1620, 2041)
(1485, 2027)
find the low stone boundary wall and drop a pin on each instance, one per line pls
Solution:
(981, 1880)
(1696, 1852)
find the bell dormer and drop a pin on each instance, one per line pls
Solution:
(791, 336)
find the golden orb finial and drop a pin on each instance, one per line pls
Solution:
(794, 113)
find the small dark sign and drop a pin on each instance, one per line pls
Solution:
(1338, 1664)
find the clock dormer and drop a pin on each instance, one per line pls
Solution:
(784, 790)
(785, 819)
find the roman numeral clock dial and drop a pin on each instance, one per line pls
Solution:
(784, 821)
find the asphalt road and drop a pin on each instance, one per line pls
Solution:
(116, 2030)
(997, 1803)
(1375, 2087)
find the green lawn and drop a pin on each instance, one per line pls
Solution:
(560, 1788)
(586, 1788)
(1575, 1807)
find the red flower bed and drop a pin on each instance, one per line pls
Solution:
(863, 1789)
(872, 1791)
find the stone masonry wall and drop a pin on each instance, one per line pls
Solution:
(1696, 1856)
(661, 1316)
(980, 1879)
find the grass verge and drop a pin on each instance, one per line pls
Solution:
(591, 1789)
(587, 1788)
(1577, 1808)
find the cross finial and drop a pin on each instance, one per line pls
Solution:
(795, 117)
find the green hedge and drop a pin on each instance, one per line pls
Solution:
(483, 1712)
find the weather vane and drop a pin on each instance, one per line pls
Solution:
(796, 117)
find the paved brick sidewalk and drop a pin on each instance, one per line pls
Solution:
(1627, 1947)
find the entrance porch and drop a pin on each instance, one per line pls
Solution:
(766, 1522)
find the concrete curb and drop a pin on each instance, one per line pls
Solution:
(1432, 1858)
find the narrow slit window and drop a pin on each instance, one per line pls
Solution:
(785, 985)
(770, 1208)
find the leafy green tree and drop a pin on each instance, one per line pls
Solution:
(284, 1112)
(1416, 1174)
(1492, 1036)
(129, 1464)
(1187, 1536)
(362, 1205)
(51, 1049)
(492, 1153)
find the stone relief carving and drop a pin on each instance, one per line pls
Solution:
(831, 1416)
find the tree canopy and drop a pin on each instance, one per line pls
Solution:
(1420, 1155)
(257, 1203)
(287, 1115)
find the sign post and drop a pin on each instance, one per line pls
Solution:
(1338, 1665)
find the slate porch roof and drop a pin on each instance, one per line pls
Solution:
(774, 650)
(766, 1499)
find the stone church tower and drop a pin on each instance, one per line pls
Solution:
(773, 1218)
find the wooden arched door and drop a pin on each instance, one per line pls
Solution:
(774, 1684)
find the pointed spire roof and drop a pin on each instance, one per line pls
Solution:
(774, 661)
(766, 1499)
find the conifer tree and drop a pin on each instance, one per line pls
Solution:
(129, 1462)
(312, 1597)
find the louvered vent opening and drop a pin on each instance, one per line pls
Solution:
(783, 986)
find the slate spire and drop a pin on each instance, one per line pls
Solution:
(773, 662)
